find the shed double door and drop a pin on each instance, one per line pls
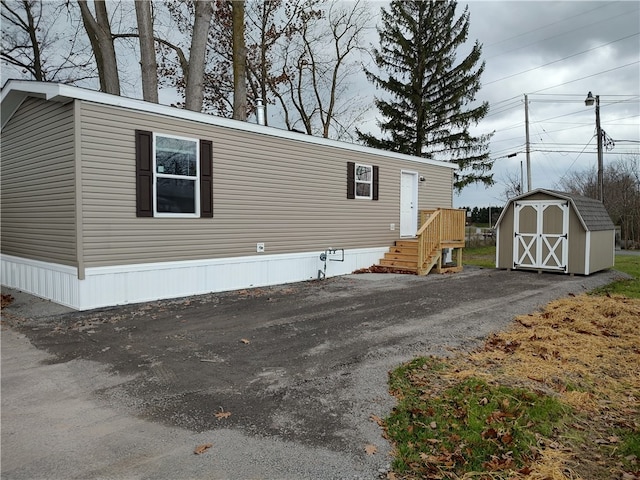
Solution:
(541, 230)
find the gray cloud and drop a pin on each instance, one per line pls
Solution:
(519, 40)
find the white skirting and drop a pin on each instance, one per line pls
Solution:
(123, 284)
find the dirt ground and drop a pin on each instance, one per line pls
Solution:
(298, 368)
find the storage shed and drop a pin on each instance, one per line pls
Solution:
(553, 231)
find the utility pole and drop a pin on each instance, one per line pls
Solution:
(600, 155)
(600, 187)
(521, 179)
(528, 149)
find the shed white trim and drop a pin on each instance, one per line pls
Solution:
(540, 248)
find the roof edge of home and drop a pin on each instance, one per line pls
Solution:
(15, 91)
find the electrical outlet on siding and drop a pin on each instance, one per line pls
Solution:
(392, 226)
(260, 247)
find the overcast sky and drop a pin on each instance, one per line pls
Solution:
(556, 52)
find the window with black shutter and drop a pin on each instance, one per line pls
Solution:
(174, 176)
(362, 181)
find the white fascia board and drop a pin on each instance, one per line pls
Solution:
(61, 92)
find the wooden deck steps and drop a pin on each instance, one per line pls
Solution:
(429, 251)
(403, 256)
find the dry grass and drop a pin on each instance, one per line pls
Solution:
(586, 351)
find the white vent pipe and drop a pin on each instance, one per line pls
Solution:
(260, 112)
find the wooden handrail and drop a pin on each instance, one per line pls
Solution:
(453, 222)
(441, 225)
(428, 240)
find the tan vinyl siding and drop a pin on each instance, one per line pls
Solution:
(505, 239)
(602, 253)
(289, 194)
(38, 193)
(577, 244)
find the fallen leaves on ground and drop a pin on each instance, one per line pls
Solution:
(222, 414)
(377, 419)
(583, 350)
(245, 341)
(371, 449)
(200, 449)
(580, 348)
(6, 300)
(383, 269)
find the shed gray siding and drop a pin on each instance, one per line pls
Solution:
(289, 194)
(38, 183)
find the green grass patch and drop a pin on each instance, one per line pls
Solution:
(485, 256)
(630, 265)
(448, 428)
(467, 426)
(482, 256)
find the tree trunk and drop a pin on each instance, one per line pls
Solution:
(194, 94)
(37, 61)
(239, 62)
(99, 33)
(148, 61)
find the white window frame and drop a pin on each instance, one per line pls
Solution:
(157, 175)
(356, 182)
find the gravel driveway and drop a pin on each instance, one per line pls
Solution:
(281, 381)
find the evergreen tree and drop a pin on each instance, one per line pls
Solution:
(429, 111)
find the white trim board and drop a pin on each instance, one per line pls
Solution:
(125, 284)
(15, 91)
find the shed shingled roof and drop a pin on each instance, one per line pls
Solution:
(593, 213)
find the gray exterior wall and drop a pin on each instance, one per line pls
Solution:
(38, 183)
(289, 194)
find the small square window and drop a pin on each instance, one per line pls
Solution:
(364, 181)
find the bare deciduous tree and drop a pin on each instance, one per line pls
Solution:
(148, 63)
(194, 89)
(99, 32)
(239, 61)
(319, 66)
(269, 25)
(621, 194)
(36, 46)
(512, 182)
(193, 21)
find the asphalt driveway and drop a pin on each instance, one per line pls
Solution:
(282, 381)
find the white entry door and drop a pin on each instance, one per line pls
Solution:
(408, 204)
(541, 234)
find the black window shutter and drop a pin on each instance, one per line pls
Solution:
(206, 179)
(144, 174)
(351, 180)
(375, 182)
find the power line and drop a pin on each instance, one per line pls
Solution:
(575, 151)
(507, 100)
(545, 26)
(576, 159)
(598, 22)
(560, 59)
(588, 76)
